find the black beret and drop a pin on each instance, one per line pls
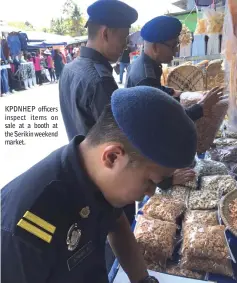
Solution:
(161, 29)
(113, 14)
(155, 124)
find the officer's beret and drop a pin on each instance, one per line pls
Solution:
(113, 14)
(156, 124)
(161, 29)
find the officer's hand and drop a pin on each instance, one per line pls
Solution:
(210, 98)
(182, 176)
(177, 93)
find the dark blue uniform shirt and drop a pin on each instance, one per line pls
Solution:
(145, 71)
(55, 223)
(85, 87)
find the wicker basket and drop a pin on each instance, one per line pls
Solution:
(215, 76)
(186, 78)
(224, 210)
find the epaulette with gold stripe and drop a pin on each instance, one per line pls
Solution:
(37, 226)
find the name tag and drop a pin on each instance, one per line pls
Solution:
(80, 255)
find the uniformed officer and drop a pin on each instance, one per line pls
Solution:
(56, 216)
(161, 41)
(87, 83)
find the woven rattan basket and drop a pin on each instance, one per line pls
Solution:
(215, 76)
(224, 210)
(186, 78)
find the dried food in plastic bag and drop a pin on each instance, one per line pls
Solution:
(206, 242)
(225, 142)
(203, 199)
(210, 167)
(207, 126)
(165, 208)
(175, 269)
(233, 212)
(155, 267)
(223, 267)
(179, 193)
(224, 154)
(202, 217)
(214, 20)
(156, 239)
(222, 183)
(229, 134)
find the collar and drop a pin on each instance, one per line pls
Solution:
(87, 52)
(148, 60)
(78, 182)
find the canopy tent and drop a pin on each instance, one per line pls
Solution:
(48, 37)
(79, 39)
(135, 38)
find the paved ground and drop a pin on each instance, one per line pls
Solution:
(15, 159)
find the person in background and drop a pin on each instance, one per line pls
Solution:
(58, 63)
(57, 215)
(37, 64)
(86, 84)
(68, 56)
(124, 62)
(49, 63)
(63, 57)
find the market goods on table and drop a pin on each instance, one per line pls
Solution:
(215, 75)
(205, 249)
(228, 211)
(221, 183)
(165, 208)
(201, 217)
(179, 193)
(210, 167)
(156, 239)
(205, 242)
(225, 141)
(186, 78)
(203, 199)
(175, 269)
(208, 265)
(224, 154)
(185, 37)
(229, 48)
(208, 126)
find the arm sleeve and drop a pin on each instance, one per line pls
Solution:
(22, 263)
(101, 96)
(194, 112)
(155, 83)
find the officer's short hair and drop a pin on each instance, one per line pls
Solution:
(94, 28)
(106, 130)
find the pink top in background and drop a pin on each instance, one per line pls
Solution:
(50, 62)
(37, 63)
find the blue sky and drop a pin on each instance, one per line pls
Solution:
(39, 13)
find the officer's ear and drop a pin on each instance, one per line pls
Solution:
(114, 155)
(105, 33)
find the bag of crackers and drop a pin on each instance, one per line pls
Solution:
(156, 239)
(205, 249)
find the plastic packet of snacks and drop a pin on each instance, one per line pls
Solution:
(205, 249)
(156, 239)
(166, 208)
(222, 183)
(210, 167)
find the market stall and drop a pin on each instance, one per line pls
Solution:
(188, 233)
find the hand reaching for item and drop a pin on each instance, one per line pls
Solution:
(209, 99)
(182, 176)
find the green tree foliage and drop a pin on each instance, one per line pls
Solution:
(135, 28)
(22, 26)
(72, 21)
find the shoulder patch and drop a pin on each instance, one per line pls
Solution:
(40, 223)
(149, 71)
(102, 70)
